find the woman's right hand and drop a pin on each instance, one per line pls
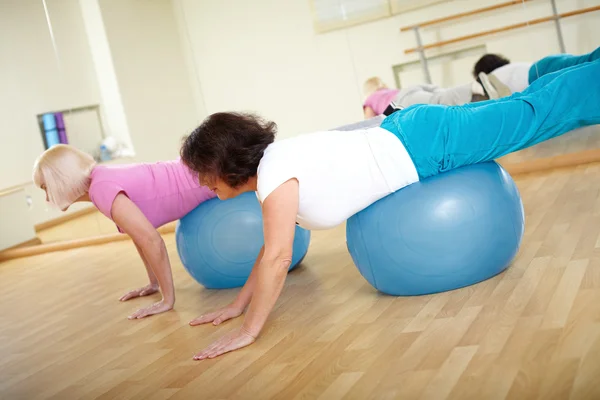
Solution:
(216, 317)
(143, 291)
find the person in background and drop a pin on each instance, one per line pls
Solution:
(381, 100)
(139, 198)
(518, 75)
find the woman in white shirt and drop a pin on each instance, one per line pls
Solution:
(518, 75)
(318, 180)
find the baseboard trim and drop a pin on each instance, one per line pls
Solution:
(72, 244)
(36, 241)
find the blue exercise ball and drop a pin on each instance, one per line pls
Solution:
(445, 232)
(219, 240)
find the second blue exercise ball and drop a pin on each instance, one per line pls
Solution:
(445, 232)
(218, 241)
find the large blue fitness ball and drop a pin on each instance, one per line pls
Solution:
(445, 232)
(218, 241)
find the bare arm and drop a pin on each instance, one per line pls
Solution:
(150, 288)
(152, 248)
(369, 113)
(243, 298)
(279, 216)
(151, 277)
(279, 219)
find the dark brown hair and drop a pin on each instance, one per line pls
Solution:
(229, 146)
(488, 63)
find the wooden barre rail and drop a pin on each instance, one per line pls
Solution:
(71, 244)
(462, 15)
(503, 29)
(11, 191)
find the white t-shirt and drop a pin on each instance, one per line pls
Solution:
(339, 173)
(514, 75)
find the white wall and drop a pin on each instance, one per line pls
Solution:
(112, 110)
(190, 61)
(31, 80)
(16, 227)
(264, 56)
(151, 71)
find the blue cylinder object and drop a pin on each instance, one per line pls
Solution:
(49, 121)
(219, 240)
(60, 127)
(448, 231)
(50, 130)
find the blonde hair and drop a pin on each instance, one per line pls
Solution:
(372, 85)
(65, 171)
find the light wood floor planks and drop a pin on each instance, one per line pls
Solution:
(532, 332)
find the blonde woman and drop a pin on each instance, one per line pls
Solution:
(137, 197)
(380, 100)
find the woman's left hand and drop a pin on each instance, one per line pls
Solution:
(232, 341)
(155, 308)
(279, 225)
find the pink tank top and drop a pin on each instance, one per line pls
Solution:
(379, 100)
(163, 191)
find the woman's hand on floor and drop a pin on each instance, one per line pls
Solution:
(232, 341)
(155, 308)
(141, 292)
(216, 317)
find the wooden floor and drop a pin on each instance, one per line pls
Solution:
(532, 332)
